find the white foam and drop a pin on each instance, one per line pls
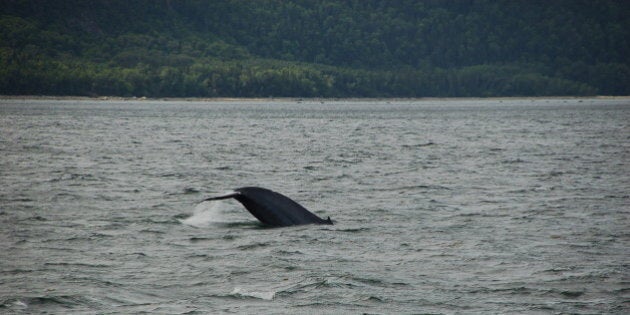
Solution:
(205, 214)
(264, 295)
(20, 304)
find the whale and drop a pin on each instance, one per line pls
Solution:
(272, 208)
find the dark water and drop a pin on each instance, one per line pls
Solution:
(479, 206)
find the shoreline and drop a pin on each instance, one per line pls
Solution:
(294, 99)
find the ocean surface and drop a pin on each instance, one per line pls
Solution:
(440, 206)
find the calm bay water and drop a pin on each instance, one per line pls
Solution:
(457, 206)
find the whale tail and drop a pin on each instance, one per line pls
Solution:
(226, 196)
(272, 208)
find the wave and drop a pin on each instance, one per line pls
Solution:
(311, 284)
(348, 281)
(252, 246)
(418, 145)
(240, 292)
(413, 187)
(353, 230)
(69, 176)
(49, 303)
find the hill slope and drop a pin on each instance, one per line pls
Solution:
(363, 48)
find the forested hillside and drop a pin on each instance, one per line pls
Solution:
(307, 48)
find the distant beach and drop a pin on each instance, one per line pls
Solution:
(295, 99)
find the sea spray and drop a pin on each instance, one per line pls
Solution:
(205, 214)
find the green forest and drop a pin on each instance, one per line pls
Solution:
(315, 48)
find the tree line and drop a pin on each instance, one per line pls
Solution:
(302, 48)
